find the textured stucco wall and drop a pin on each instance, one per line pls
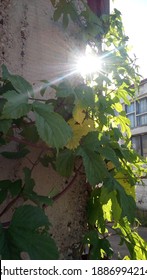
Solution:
(32, 45)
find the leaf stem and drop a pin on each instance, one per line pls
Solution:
(37, 99)
(27, 143)
(57, 196)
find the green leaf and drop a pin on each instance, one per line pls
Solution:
(16, 105)
(3, 194)
(128, 154)
(40, 200)
(136, 245)
(41, 107)
(6, 86)
(15, 187)
(105, 245)
(85, 95)
(95, 168)
(15, 155)
(7, 186)
(126, 202)
(30, 133)
(5, 125)
(115, 211)
(98, 247)
(2, 103)
(91, 141)
(95, 211)
(64, 89)
(28, 233)
(65, 163)
(28, 192)
(51, 127)
(29, 182)
(57, 13)
(29, 217)
(110, 154)
(18, 82)
(46, 159)
(91, 238)
(3, 243)
(5, 72)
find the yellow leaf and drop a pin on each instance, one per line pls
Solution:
(78, 132)
(78, 113)
(130, 190)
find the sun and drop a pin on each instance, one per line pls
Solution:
(89, 63)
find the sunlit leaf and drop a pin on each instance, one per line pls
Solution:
(136, 245)
(129, 189)
(78, 113)
(78, 132)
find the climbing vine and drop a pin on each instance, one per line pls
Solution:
(83, 130)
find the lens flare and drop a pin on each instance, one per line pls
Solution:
(90, 62)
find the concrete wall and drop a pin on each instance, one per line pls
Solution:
(141, 194)
(32, 45)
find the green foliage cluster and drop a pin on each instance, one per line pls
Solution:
(83, 130)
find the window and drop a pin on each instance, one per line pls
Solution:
(142, 120)
(141, 106)
(130, 108)
(136, 144)
(131, 117)
(144, 145)
(141, 111)
(130, 111)
(137, 112)
(139, 143)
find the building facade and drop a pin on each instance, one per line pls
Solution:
(137, 113)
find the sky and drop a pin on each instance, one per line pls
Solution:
(134, 15)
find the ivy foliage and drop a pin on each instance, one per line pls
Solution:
(83, 130)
